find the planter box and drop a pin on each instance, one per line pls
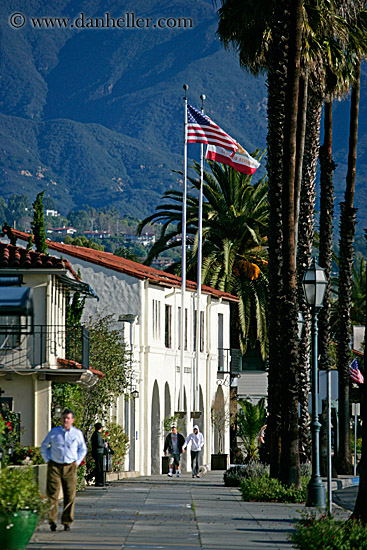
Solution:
(17, 536)
(165, 464)
(220, 462)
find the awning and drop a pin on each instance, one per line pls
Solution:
(15, 300)
(78, 286)
(16, 310)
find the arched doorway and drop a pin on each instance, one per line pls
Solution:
(219, 421)
(155, 431)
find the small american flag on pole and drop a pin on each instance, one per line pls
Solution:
(200, 129)
(355, 373)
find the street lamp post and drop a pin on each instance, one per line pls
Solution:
(314, 285)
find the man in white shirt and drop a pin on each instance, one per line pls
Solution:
(63, 449)
(197, 442)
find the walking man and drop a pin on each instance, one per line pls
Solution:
(63, 449)
(197, 442)
(174, 445)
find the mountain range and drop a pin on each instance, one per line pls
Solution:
(95, 115)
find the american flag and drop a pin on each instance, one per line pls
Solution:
(200, 129)
(355, 373)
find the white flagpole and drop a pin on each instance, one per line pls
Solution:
(199, 265)
(183, 262)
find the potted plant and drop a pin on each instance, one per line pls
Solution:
(21, 506)
(220, 420)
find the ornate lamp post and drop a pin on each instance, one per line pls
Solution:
(314, 286)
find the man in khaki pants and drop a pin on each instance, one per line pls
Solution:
(63, 449)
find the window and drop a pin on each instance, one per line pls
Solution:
(9, 334)
(156, 319)
(179, 328)
(220, 342)
(168, 327)
(202, 318)
(201, 330)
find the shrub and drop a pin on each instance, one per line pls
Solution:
(80, 476)
(119, 443)
(329, 534)
(19, 491)
(234, 475)
(30, 455)
(266, 489)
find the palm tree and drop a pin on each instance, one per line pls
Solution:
(347, 232)
(250, 420)
(235, 216)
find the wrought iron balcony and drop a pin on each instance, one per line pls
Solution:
(229, 360)
(44, 347)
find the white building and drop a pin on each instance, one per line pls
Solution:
(34, 343)
(148, 304)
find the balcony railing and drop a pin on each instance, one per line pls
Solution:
(44, 347)
(229, 360)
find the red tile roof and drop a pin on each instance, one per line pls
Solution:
(122, 265)
(21, 258)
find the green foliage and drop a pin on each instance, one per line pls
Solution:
(119, 443)
(74, 309)
(80, 476)
(108, 355)
(325, 533)
(38, 224)
(83, 241)
(266, 489)
(18, 207)
(127, 253)
(250, 420)
(234, 250)
(175, 419)
(30, 242)
(234, 475)
(27, 454)
(19, 491)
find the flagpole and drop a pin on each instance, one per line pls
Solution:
(199, 266)
(183, 260)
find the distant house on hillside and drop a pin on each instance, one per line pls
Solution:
(146, 302)
(36, 347)
(97, 234)
(62, 231)
(52, 213)
(145, 239)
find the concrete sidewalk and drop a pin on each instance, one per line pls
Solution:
(172, 514)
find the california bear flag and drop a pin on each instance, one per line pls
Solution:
(240, 160)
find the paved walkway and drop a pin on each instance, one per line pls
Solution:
(171, 514)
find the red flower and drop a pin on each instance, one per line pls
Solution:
(82, 462)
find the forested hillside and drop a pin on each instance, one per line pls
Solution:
(95, 116)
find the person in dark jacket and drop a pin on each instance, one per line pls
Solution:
(173, 444)
(98, 447)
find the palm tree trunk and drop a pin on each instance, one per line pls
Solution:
(276, 82)
(301, 136)
(360, 509)
(347, 232)
(327, 167)
(306, 235)
(290, 467)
